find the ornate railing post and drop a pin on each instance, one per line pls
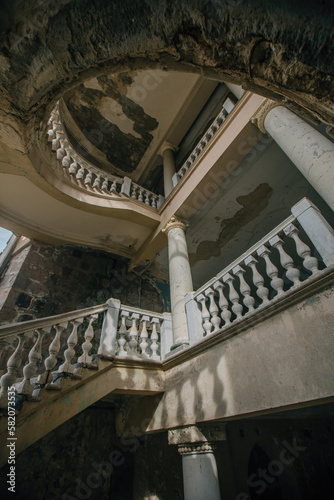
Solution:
(108, 341)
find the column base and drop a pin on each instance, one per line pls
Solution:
(180, 346)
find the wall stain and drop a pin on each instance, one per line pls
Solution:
(252, 205)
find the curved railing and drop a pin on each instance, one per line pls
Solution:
(228, 105)
(88, 177)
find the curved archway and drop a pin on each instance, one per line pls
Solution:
(49, 47)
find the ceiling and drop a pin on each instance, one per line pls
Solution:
(120, 121)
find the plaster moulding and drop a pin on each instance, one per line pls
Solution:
(261, 113)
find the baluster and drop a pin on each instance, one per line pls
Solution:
(144, 336)
(249, 301)
(51, 361)
(122, 332)
(73, 168)
(205, 314)
(61, 152)
(272, 271)
(154, 339)
(55, 144)
(213, 308)
(85, 358)
(223, 303)
(154, 201)
(104, 186)
(147, 198)
(292, 273)
(13, 365)
(303, 250)
(133, 334)
(88, 178)
(80, 174)
(51, 134)
(66, 161)
(233, 295)
(258, 280)
(97, 182)
(134, 192)
(29, 370)
(140, 194)
(72, 341)
(113, 187)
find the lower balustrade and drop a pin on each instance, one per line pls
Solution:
(284, 261)
(63, 346)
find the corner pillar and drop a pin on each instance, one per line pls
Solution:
(200, 473)
(180, 279)
(310, 151)
(168, 156)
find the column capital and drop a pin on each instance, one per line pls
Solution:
(261, 113)
(197, 434)
(175, 222)
(196, 448)
(167, 145)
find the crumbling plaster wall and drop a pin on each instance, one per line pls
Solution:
(43, 281)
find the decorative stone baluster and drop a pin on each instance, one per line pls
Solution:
(258, 280)
(61, 152)
(147, 195)
(205, 314)
(272, 271)
(104, 186)
(66, 161)
(29, 370)
(154, 201)
(88, 178)
(73, 168)
(113, 187)
(303, 250)
(223, 303)
(292, 273)
(13, 365)
(55, 144)
(144, 336)
(97, 182)
(133, 334)
(85, 358)
(72, 341)
(122, 332)
(51, 361)
(81, 173)
(154, 338)
(249, 301)
(134, 192)
(140, 194)
(213, 308)
(233, 295)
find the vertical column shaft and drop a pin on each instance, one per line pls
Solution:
(310, 151)
(180, 279)
(167, 152)
(200, 474)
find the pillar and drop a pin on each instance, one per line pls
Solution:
(167, 152)
(180, 280)
(310, 151)
(200, 474)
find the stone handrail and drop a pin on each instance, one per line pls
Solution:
(88, 177)
(202, 143)
(265, 273)
(120, 337)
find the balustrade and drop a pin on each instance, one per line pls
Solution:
(201, 145)
(280, 262)
(89, 177)
(137, 334)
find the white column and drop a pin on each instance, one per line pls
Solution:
(200, 474)
(167, 152)
(180, 280)
(311, 152)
